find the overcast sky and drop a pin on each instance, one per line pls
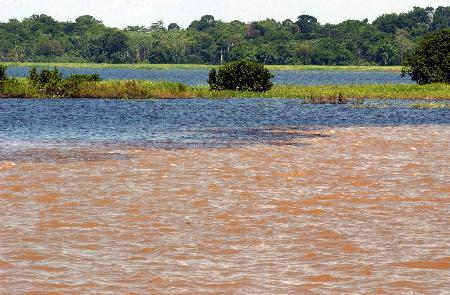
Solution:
(122, 13)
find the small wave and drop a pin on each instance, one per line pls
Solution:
(119, 152)
(7, 165)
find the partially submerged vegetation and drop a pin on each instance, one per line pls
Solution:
(428, 104)
(431, 105)
(336, 92)
(44, 83)
(122, 89)
(51, 84)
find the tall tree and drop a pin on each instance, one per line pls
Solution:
(306, 24)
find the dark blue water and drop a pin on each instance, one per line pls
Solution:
(184, 123)
(200, 77)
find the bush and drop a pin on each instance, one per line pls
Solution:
(430, 63)
(51, 83)
(3, 75)
(80, 78)
(243, 75)
(18, 88)
(47, 81)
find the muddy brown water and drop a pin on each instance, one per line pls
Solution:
(362, 210)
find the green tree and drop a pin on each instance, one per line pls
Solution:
(430, 62)
(173, 27)
(441, 18)
(112, 45)
(388, 40)
(49, 47)
(267, 54)
(404, 43)
(307, 24)
(87, 21)
(385, 54)
(205, 23)
(140, 29)
(157, 26)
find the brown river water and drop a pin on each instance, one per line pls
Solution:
(362, 210)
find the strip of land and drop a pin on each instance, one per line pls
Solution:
(194, 67)
(143, 89)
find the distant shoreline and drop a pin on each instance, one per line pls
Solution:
(199, 67)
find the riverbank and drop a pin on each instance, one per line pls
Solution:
(140, 89)
(193, 67)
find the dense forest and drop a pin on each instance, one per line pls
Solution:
(385, 41)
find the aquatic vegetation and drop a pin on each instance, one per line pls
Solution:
(3, 75)
(443, 104)
(135, 89)
(383, 105)
(375, 91)
(49, 83)
(52, 84)
(338, 99)
(19, 88)
(142, 89)
(431, 105)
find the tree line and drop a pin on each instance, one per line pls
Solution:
(388, 40)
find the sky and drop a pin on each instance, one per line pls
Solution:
(122, 13)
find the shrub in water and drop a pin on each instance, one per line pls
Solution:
(73, 83)
(52, 84)
(3, 76)
(430, 63)
(47, 81)
(244, 75)
(33, 76)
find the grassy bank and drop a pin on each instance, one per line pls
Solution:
(193, 67)
(22, 88)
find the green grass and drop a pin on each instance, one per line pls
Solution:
(18, 88)
(136, 89)
(374, 91)
(157, 89)
(193, 67)
(161, 89)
